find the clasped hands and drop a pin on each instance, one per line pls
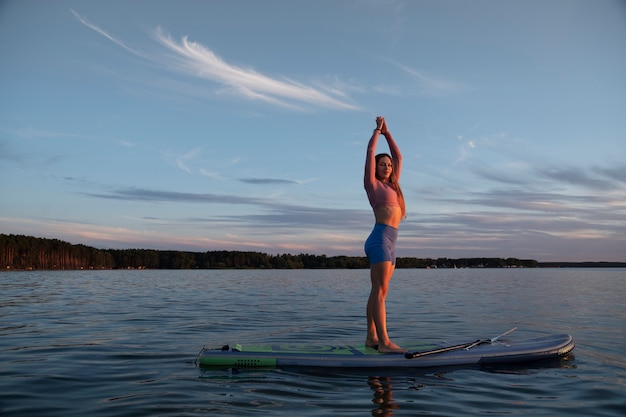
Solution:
(381, 125)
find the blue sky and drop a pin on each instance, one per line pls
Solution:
(242, 125)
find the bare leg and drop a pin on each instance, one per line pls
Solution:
(377, 311)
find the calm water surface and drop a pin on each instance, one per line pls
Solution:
(117, 343)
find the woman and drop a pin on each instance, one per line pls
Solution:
(382, 175)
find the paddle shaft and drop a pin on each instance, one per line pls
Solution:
(455, 347)
(444, 349)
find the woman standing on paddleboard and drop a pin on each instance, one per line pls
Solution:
(382, 175)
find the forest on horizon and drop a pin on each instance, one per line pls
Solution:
(19, 252)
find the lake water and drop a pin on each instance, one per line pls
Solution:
(123, 343)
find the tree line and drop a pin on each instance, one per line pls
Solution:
(26, 252)
(32, 253)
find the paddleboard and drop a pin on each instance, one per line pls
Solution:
(497, 350)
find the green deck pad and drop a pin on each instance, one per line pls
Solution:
(238, 362)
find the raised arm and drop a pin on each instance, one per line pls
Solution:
(395, 154)
(370, 159)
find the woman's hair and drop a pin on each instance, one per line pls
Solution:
(394, 182)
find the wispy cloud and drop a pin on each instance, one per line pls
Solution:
(617, 173)
(102, 32)
(142, 194)
(195, 60)
(277, 210)
(429, 85)
(567, 179)
(181, 160)
(498, 176)
(266, 181)
(583, 178)
(33, 133)
(10, 149)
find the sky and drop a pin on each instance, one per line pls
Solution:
(243, 125)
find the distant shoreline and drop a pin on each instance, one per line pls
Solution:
(18, 252)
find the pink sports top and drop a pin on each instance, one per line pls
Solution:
(378, 192)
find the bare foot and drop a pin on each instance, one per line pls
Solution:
(370, 343)
(391, 348)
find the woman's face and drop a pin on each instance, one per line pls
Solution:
(384, 168)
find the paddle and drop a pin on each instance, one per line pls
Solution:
(467, 346)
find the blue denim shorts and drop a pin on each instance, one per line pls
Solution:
(380, 246)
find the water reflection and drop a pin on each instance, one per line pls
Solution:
(383, 386)
(383, 395)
